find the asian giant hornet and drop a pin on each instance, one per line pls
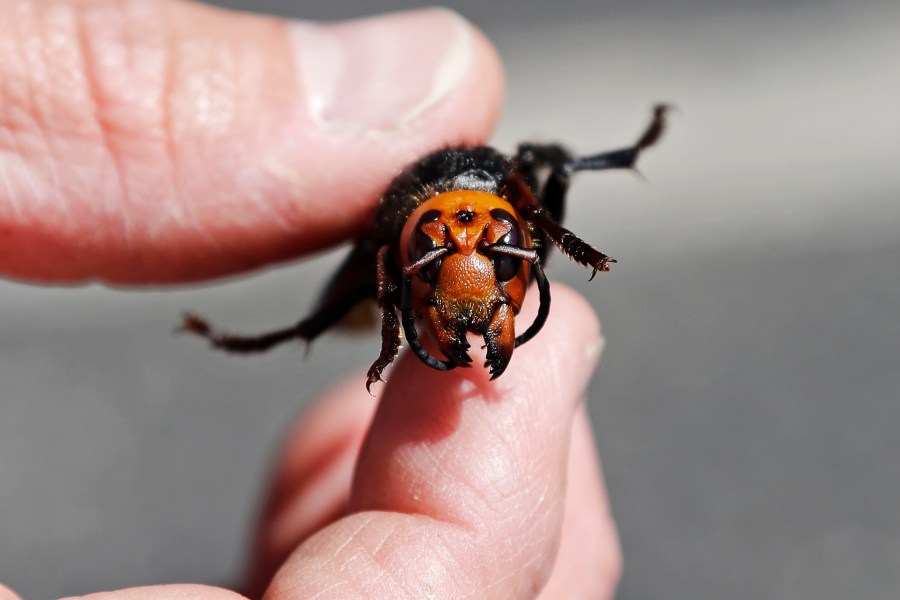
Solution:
(454, 243)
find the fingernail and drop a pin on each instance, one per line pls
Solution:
(590, 357)
(593, 351)
(379, 74)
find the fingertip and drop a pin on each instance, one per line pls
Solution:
(483, 455)
(539, 391)
(582, 326)
(561, 358)
(443, 85)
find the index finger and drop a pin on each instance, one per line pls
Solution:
(460, 484)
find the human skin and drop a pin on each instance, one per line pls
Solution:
(152, 141)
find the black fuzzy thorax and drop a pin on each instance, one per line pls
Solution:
(480, 168)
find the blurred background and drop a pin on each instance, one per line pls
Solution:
(748, 405)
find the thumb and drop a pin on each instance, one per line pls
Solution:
(163, 141)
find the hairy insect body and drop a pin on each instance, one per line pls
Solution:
(455, 241)
(478, 168)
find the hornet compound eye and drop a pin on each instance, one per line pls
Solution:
(506, 265)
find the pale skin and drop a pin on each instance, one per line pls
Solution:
(150, 141)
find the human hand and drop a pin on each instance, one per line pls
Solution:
(154, 141)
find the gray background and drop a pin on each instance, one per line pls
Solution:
(747, 406)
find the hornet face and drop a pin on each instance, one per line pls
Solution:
(466, 259)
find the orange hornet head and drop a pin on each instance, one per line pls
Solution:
(467, 259)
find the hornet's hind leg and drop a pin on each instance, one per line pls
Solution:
(532, 157)
(625, 158)
(353, 283)
(546, 210)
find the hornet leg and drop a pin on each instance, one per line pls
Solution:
(388, 303)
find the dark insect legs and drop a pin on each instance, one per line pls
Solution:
(371, 269)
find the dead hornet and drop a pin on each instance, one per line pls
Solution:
(455, 241)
